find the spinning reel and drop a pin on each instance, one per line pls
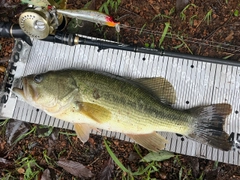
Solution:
(40, 22)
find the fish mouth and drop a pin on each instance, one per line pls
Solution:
(20, 92)
(26, 92)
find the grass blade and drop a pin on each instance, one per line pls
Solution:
(139, 173)
(142, 28)
(115, 159)
(167, 25)
(157, 156)
(24, 135)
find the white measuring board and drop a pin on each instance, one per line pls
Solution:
(196, 83)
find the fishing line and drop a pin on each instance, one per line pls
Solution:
(182, 38)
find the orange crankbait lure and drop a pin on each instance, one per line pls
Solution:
(91, 16)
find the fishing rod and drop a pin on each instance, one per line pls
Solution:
(72, 39)
(182, 38)
(11, 30)
(14, 30)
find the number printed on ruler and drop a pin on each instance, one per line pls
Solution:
(235, 138)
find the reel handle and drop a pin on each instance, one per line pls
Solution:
(14, 31)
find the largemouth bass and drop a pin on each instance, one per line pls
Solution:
(138, 108)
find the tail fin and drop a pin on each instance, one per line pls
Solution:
(208, 128)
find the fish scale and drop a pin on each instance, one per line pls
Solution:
(148, 113)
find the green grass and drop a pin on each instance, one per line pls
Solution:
(172, 11)
(208, 16)
(47, 158)
(178, 163)
(22, 136)
(152, 45)
(3, 125)
(29, 167)
(182, 13)
(68, 135)
(236, 13)
(162, 16)
(141, 30)
(48, 132)
(183, 44)
(143, 172)
(8, 175)
(113, 4)
(25, 164)
(191, 20)
(165, 31)
(228, 56)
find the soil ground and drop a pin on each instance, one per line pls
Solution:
(207, 28)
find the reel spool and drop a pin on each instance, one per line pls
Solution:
(39, 23)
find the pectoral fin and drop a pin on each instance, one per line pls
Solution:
(95, 112)
(152, 141)
(160, 87)
(83, 131)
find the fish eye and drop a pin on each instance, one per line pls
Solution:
(38, 78)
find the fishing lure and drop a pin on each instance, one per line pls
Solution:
(91, 16)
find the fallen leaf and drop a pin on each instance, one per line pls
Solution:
(133, 156)
(6, 3)
(157, 156)
(194, 162)
(15, 129)
(163, 175)
(181, 4)
(2, 69)
(4, 163)
(46, 175)
(106, 172)
(229, 37)
(75, 168)
(55, 134)
(21, 170)
(212, 174)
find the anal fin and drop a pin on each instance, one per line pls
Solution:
(153, 141)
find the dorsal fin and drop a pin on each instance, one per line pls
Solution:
(160, 87)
